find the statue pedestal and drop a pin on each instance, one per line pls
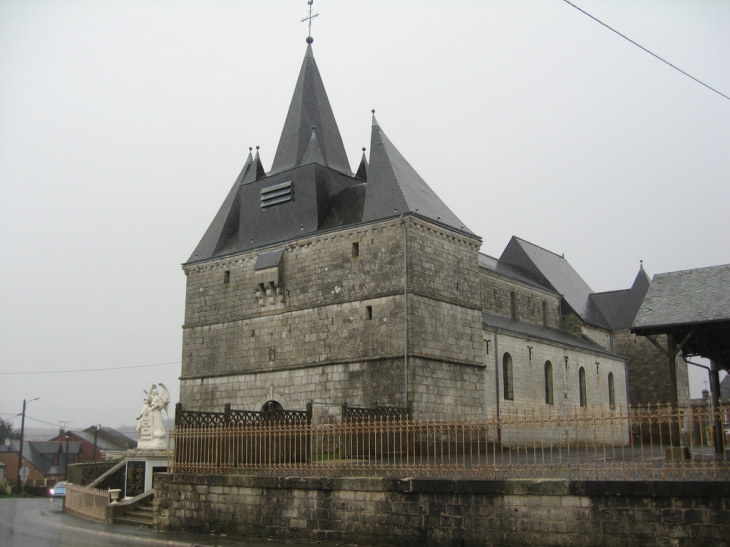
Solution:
(140, 466)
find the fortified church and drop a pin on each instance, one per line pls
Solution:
(317, 284)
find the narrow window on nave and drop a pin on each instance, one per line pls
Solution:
(544, 313)
(611, 392)
(508, 378)
(582, 386)
(548, 382)
(512, 305)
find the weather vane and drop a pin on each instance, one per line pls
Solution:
(309, 18)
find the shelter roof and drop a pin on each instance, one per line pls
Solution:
(686, 297)
(695, 302)
(552, 270)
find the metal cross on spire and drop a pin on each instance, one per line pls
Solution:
(309, 19)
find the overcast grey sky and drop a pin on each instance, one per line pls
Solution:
(123, 125)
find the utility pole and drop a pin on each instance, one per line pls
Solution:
(19, 485)
(65, 470)
(96, 435)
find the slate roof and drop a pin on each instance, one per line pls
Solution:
(542, 333)
(508, 270)
(116, 439)
(686, 297)
(41, 454)
(691, 305)
(552, 270)
(620, 307)
(310, 108)
(394, 187)
(108, 439)
(316, 191)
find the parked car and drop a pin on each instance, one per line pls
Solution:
(59, 490)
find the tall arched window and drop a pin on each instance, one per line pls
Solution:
(611, 392)
(508, 378)
(548, 382)
(582, 386)
(512, 305)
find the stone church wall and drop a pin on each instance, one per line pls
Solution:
(358, 383)
(529, 374)
(648, 371)
(442, 264)
(321, 314)
(339, 305)
(495, 298)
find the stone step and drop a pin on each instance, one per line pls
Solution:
(131, 520)
(138, 516)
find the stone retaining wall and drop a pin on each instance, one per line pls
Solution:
(419, 512)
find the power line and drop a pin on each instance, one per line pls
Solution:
(91, 369)
(41, 421)
(649, 52)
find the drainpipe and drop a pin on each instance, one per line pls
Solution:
(405, 311)
(496, 375)
(626, 382)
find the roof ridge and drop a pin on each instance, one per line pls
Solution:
(488, 256)
(539, 247)
(667, 274)
(610, 292)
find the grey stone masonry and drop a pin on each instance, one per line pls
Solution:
(495, 297)
(422, 512)
(333, 306)
(647, 370)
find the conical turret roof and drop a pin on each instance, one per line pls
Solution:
(309, 108)
(394, 187)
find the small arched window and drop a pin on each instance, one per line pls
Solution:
(508, 378)
(611, 392)
(582, 386)
(512, 305)
(271, 406)
(548, 382)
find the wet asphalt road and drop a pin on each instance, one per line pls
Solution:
(40, 522)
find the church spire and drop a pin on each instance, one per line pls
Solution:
(310, 107)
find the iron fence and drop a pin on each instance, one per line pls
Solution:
(651, 442)
(88, 502)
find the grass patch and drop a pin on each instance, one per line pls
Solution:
(325, 457)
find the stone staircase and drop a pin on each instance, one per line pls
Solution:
(140, 515)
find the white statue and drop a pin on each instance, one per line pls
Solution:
(149, 421)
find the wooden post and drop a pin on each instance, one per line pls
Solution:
(717, 431)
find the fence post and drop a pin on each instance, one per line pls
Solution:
(178, 413)
(227, 413)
